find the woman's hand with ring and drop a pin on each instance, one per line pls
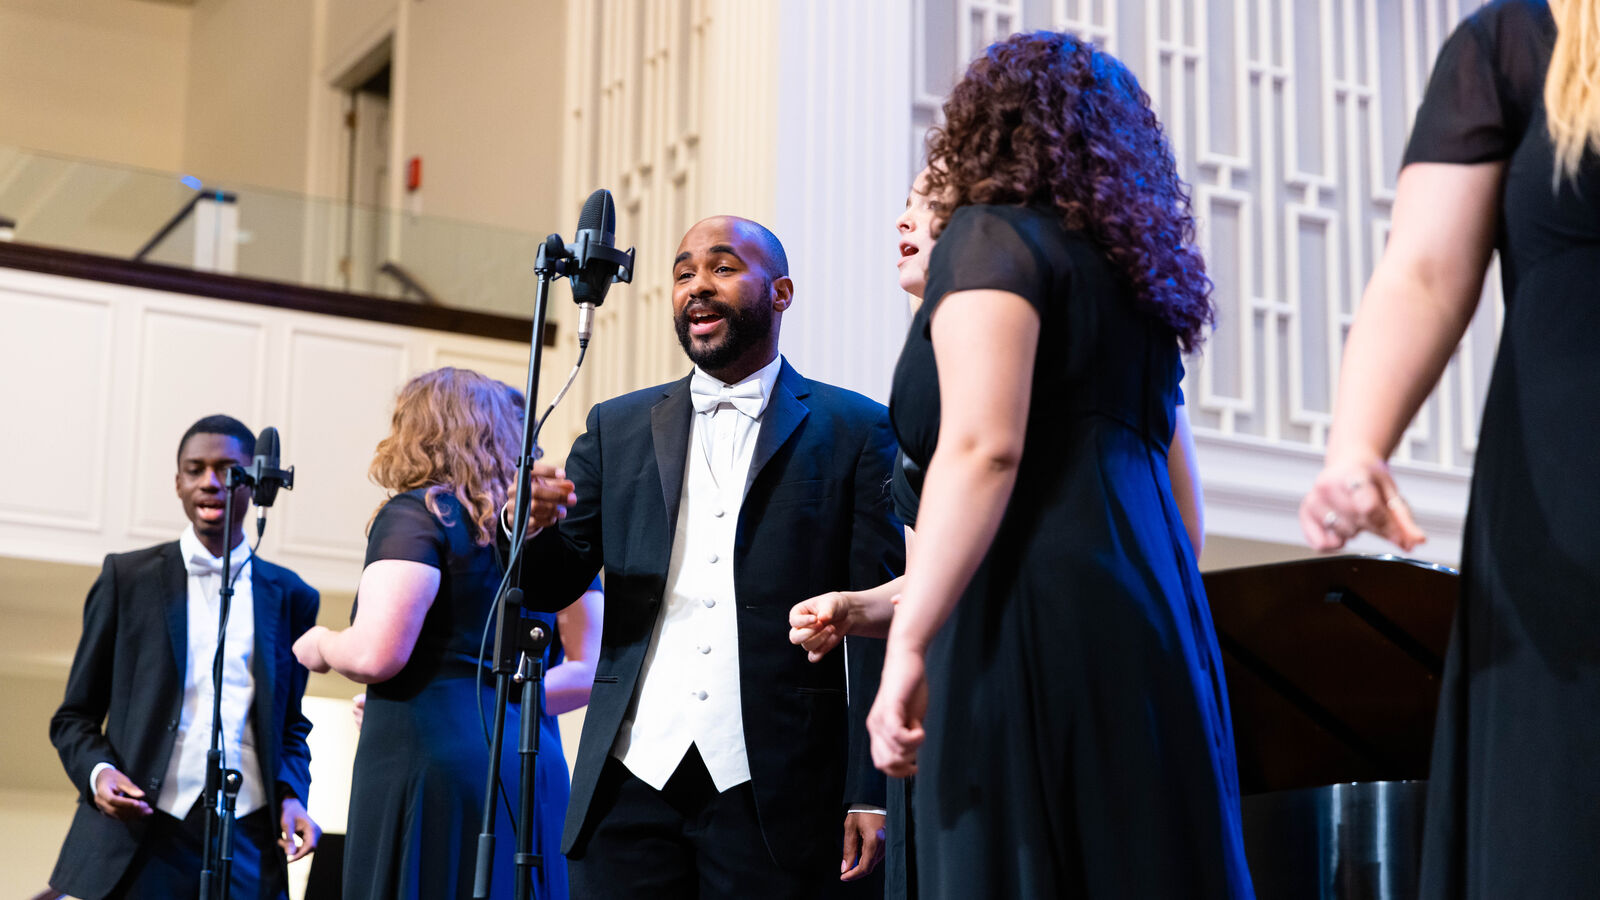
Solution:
(1353, 495)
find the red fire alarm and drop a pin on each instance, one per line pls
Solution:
(414, 173)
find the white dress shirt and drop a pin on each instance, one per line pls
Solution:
(688, 690)
(186, 769)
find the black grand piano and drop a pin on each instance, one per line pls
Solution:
(1333, 670)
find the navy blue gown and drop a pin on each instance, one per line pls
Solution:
(416, 793)
(1078, 739)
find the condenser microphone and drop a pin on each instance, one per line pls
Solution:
(595, 262)
(267, 475)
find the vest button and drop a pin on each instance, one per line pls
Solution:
(709, 601)
(704, 648)
(711, 557)
(718, 512)
(700, 695)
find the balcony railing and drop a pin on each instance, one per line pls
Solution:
(119, 211)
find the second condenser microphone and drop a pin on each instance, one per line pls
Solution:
(268, 476)
(595, 261)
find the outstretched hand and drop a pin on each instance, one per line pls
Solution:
(1353, 496)
(819, 624)
(308, 649)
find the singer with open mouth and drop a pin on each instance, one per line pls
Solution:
(143, 668)
(1052, 677)
(714, 759)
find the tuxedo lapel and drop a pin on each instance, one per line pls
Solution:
(267, 601)
(783, 415)
(175, 600)
(669, 432)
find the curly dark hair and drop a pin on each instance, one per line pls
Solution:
(1049, 120)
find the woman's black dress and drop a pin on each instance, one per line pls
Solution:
(416, 793)
(900, 856)
(1078, 740)
(1514, 792)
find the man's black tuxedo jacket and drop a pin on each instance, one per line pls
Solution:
(128, 673)
(816, 517)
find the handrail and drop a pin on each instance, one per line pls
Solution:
(409, 283)
(220, 196)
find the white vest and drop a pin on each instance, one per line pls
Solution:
(688, 691)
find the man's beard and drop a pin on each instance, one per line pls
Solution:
(742, 329)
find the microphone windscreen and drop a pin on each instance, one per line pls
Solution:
(266, 490)
(267, 445)
(599, 213)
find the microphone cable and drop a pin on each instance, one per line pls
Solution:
(217, 659)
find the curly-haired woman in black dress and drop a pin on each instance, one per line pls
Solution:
(1052, 675)
(819, 624)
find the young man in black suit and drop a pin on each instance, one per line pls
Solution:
(714, 758)
(143, 668)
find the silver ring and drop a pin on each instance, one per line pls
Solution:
(1355, 484)
(1330, 519)
(1396, 502)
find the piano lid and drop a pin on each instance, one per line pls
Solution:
(1333, 667)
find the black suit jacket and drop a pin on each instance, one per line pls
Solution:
(128, 674)
(816, 517)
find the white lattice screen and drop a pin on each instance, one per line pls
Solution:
(1288, 118)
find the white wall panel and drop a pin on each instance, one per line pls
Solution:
(191, 364)
(340, 391)
(55, 409)
(497, 359)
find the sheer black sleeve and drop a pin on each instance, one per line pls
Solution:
(1487, 81)
(984, 248)
(405, 529)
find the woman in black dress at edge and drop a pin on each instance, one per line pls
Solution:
(1504, 154)
(1068, 723)
(432, 567)
(820, 623)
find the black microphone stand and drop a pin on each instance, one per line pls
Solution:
(216, 869)
(519, 654)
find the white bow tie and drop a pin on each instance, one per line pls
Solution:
(203, 563)
(708, 393)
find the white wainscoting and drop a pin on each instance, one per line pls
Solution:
(102, 380)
